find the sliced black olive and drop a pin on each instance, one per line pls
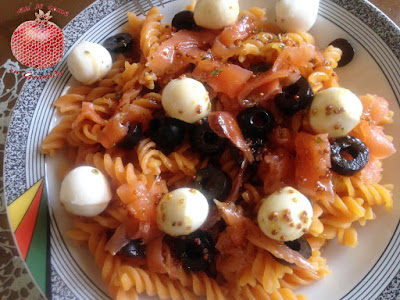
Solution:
(167, 133)
(184, 20)
(133, 136)
(351, 146)
(260, 67)
(213, 183)
(255, 122)
(134, 248)
(119, 43)
(216, 229)
(196, 251)
(295, 97)
(347, 51)
(300, 245)
(204, 140)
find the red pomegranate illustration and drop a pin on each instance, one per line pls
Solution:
(39, 43)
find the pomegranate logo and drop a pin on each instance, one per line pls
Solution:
(39, 43)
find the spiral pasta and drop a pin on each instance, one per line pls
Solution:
(353, 202)
(151, 32)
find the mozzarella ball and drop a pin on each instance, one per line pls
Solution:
(285, 215)
(296, 15)
(216, 14)
(85, 191)
(186, 99)
(335, 111)
(89, 62)
(182, 211)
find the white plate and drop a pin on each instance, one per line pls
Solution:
(365, 272)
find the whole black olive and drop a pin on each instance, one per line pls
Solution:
(260, 67)
(196, 251)
(119, 43)
(347, 51)
(255, 122)
(300, 245)
(204, 140)
(184, 20)
(167, 133)
(213, 183)
(133, 136)
(355, 148)
(295, 97)
(134, 249)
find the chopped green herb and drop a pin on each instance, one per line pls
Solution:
(319, 140)
(117, 95)
(279, 36)
(152, 57)
(215, 72)
(260, 30)
(282, 46)
(86, 52)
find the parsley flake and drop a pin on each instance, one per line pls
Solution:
(215, 72)
(319, 140)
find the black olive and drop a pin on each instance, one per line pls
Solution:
(134, 248)
(119, 43)
(300, 245)
(204, 140)
(196, 251)
(295, 97)
(167, 133)
(347, 51)
(260, 67)
(255, 122)
(353, 147)
(133, 136)
(184, 20)
(216, 229)
(213, 183)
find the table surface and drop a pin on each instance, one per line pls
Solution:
(10, 19)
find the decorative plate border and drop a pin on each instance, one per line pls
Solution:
(17, 180)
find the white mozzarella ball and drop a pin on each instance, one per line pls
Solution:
(216, 14)
(285, 215)
(88, 62)
(335, 111)
(182, 211)
(296, 15)
(186, 99)
(85, 191)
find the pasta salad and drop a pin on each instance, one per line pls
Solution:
(216, 156)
